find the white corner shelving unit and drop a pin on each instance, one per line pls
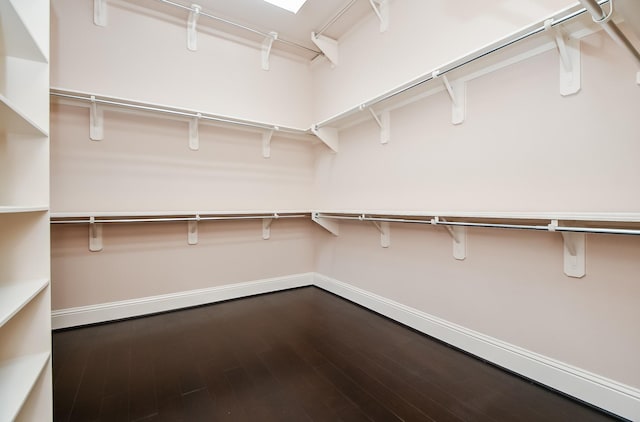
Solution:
(25, 303)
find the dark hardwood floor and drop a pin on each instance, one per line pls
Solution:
(298, 355)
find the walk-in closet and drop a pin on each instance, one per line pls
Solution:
(344, 210)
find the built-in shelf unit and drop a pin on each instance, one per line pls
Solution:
(25, 304)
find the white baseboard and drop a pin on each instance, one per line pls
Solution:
(73, 317)
(607, 394)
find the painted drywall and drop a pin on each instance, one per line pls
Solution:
(142, 55)
(154, 259)
(522, 147)
(145, 164)
(422, 36)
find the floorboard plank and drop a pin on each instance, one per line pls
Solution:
(297, 355)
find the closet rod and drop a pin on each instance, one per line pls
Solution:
(434, 222)
(335, 18)
(174, 111)
(246, 28)
(455, 65)
(274, 216)
(609, 26)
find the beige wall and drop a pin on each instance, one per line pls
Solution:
(142, 54)
(523, 147)
(422, 35)
(154, 259)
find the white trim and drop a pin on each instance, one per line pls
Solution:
(73, 317)
(607, 394)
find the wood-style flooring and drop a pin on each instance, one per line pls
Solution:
(297, 355)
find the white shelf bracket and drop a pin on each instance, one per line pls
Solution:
(192, 27)
(192, 231)
(458, 235)
(384, 228)
(100, 12)
(96, 121)
(328, 46)
(267, 44)
(266, 226)
(95, 235)
(458, 93)
(383, 121)
(381, 9)
(194, 133)
(569, 50)
(332, 226)
(574, 251)
(328, 135)
(266, 142)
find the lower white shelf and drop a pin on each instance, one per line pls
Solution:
(17, 378)
(15, 296)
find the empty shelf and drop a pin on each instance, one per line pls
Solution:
(15, 296)
(17, 378)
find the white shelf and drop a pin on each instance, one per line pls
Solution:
(22, 209)
(12, 120)
(20, 32)
(15, 296)
(118, 214)
(17, 378)
(617, 217)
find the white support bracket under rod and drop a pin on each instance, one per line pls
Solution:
(192, 27)
(458, 235)
(381, 9)
(332, 226)
(96, 121)
(95, 235)
(266, 226)
(328, 135)
(328, 46)
(267, 44)
(574, 251)
(266, 142)
(100, 12)
(385, 232)
(458, 93)
(569, 51)
(383, 121)
(194, 133)
(192, 231)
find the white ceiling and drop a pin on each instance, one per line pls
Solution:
(266, 17)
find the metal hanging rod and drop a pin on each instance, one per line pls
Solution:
(609, 26)
(246, 28)
(196, 217)
(457, 64)
(154, 108)
(435, 221)
(335, 18)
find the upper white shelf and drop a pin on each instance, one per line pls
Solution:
(23, 31)
(22, 209)
(119, 214)
(180, 113)
(13, 120)
(17, 378)
(15, 296)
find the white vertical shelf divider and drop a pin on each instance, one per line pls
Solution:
(25, 304)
